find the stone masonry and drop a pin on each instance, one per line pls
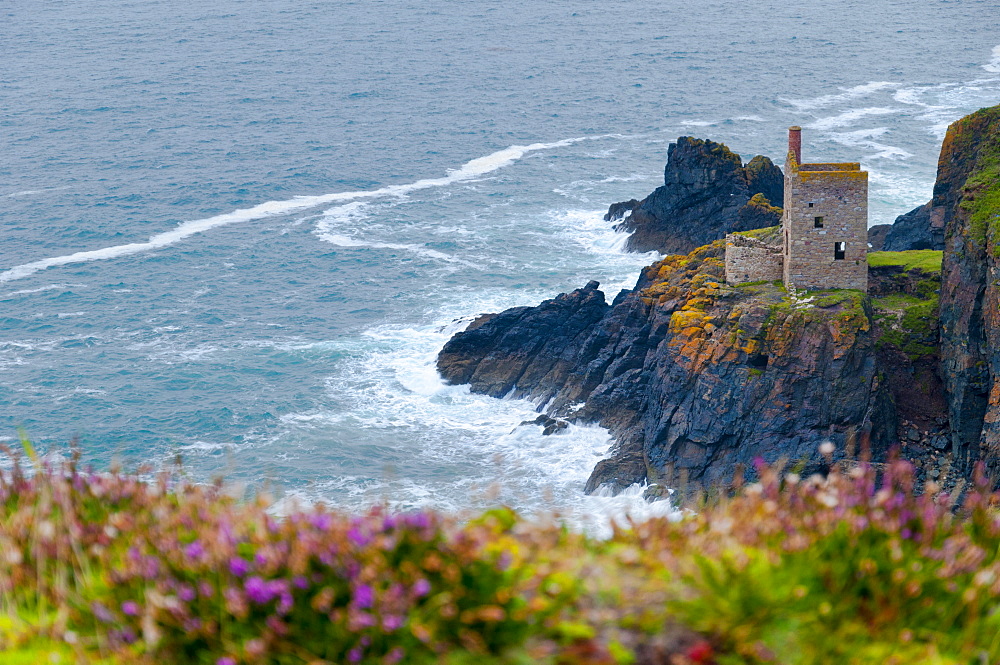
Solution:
(824, 229)
(752, 260)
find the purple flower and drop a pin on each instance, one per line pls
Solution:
(364, 596)
(392, 622)
(102, 613)
(226, 660)
(421, 588)
(395, 655)
(258, 591)
(239, 567)
(186, 593)
(194, 550)
(130, 608)
(300, 582)
(358, 538)
(321, 521)
(354, 655)
(418, 520)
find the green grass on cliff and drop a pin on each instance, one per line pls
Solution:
(928, 260)
(909, 323)
(981, 190)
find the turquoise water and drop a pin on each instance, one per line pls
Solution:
(241, 231)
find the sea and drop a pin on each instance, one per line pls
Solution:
(238, 233)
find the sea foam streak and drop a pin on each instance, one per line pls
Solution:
(470, 170)
(848, 94)
(994, 64)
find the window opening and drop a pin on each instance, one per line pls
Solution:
(810, 204)
(818, 222)
(839, 250)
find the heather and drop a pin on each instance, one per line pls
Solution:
(861, 566)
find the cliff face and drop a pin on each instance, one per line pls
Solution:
(693, 377)
(706, 193)
(967, 203)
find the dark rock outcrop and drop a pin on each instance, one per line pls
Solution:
(694, 378)
(915, 230)
(876, 236)
(966, 203)
(705, 195)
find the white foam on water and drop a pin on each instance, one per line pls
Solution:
(993, 65)
(847, 95)
(330, 228)
(587, 228)
(205, 447)
(898, 189)
(863, 138)
(471, 170)
(47, 287)
(848, 118)
(698, 123)
(30, 192)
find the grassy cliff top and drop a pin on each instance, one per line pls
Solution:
(928, 260)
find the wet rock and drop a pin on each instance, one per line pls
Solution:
(618, 211)
(656, 492)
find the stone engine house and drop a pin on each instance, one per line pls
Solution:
(824, 229)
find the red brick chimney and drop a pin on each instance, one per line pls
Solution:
(795, 142)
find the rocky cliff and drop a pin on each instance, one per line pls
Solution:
(967, 203)
(706, 193)
(693, 377)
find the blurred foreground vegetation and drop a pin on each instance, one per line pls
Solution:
(858, 567)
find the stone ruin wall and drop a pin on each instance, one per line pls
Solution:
(750, 260)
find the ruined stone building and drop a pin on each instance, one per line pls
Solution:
(824, 229)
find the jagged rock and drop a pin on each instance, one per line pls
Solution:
(618, 211)
(704, 196)
(914, 230)
(526, 350)
(966, 203)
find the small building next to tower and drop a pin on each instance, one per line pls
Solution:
(824, 234)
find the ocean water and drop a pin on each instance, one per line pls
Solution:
(240, 232)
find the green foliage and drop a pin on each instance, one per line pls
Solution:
(856, 568)
(977, 136)
(928, 260)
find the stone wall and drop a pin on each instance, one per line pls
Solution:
(840, 199)
(750, 260)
